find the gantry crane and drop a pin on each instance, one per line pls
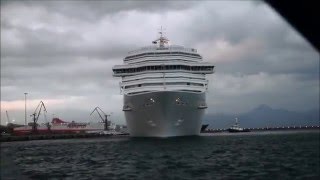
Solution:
(105, 120)
(36, 115)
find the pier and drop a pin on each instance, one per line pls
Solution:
(8, 138)
(279, 128)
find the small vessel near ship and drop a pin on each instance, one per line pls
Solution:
(236, 128)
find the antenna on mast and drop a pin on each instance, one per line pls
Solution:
(161, 32)
(162, 40)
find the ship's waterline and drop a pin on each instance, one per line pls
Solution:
(164, 114)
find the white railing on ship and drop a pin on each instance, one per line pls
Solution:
(160, 75)
(167, 48)
(165, 88)
(164, 81)
(165, 56)
(162, 59)
(164, 63)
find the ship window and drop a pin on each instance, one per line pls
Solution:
(179, 101)
(164, 67)
(196, 84)
(153, 84)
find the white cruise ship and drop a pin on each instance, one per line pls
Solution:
(164, 90)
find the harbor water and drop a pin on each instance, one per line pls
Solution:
(254, 155)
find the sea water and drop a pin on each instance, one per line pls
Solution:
(254, 155)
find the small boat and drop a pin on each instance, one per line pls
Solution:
(204, 127)
(236, 128)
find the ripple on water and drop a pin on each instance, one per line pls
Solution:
(265, 156)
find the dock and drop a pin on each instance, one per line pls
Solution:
(9, 138)
(279, 128)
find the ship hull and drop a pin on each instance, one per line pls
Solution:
(164, 114)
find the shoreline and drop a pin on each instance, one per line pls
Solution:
(11, 138)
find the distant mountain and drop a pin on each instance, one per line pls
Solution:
(264, 116)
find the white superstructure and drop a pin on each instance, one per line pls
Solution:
(159, 77)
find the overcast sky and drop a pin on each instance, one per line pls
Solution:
(62, 52)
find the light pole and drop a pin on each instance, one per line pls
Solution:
(25, 109)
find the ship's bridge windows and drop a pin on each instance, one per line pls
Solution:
(164, 67)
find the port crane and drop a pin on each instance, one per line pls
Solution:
(36, 115)
(105, 120)
(8, 119)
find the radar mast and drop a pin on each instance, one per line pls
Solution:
(161, 40)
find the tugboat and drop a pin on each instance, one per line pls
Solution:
(236, 128)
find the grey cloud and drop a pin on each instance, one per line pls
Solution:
(282, 50)
(48, 44)
(73, 79)
(230, 93)
(275, 62)
(95, 9)
(66, 49)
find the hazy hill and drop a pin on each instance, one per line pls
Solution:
(264, 116)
